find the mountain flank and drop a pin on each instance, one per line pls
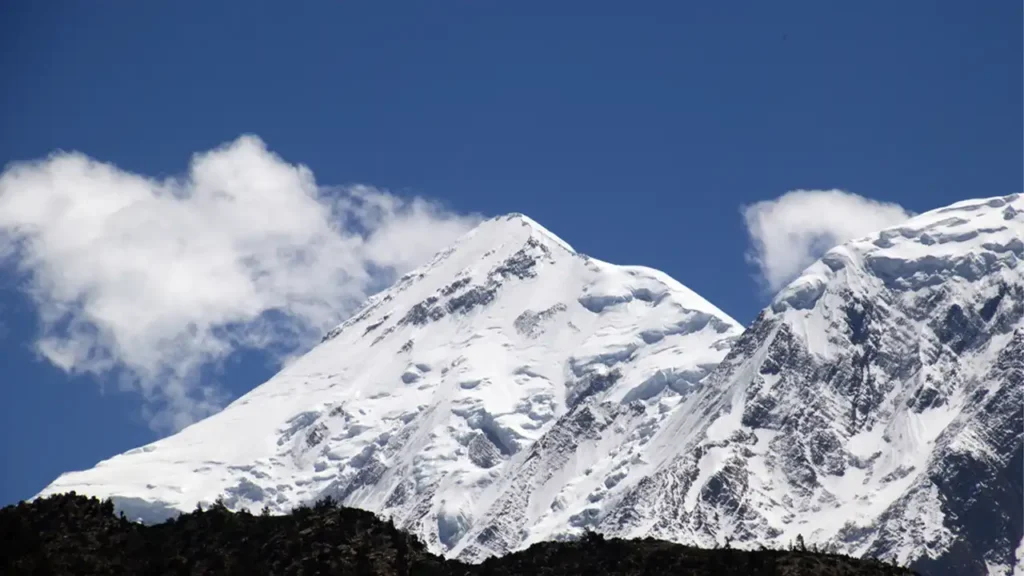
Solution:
(513, 391)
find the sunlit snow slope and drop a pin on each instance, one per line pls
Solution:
(874, 407)
(427, 406)
(513, 391)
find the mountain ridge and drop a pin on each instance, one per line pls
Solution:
(847, 398)
(442, 380)
(587, 396)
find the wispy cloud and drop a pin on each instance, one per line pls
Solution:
(148, 280)
(790, 232)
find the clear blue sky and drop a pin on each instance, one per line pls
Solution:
(635, 132)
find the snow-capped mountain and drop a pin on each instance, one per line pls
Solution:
(513, 391)
(423, 406)
(875, 407)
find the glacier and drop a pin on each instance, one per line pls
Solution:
(422, 406)
(512, 391)
(874, 407)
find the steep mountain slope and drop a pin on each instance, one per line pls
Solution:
(424, 405)
(513, 391)
(874, 407)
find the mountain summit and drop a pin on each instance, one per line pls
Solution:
(874, 406)
(425, 404)
(513, 391)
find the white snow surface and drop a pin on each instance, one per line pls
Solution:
(513, 391)
(875, 407)
(421, 405)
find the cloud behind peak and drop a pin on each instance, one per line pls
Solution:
(789, 233)
(151, 279)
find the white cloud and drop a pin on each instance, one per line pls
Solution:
(789, 233)
(150, 280)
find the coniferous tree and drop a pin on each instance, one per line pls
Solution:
(63, 534)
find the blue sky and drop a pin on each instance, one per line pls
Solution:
(637, 134)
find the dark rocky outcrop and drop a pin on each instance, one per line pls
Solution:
(73, 534)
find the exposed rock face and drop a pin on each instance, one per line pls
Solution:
(508, 352)
(875, 406)
(513, 391)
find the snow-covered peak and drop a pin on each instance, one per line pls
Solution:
(424, 405)
(511, 391)
(536, 228)
(515, 245)
(965, 240)
(875, 407)
(494, 232)
(510, 237)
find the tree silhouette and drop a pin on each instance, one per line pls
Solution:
(64, 534)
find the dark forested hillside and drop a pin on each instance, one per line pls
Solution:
(73, 534)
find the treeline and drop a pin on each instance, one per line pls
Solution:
(74, 534)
